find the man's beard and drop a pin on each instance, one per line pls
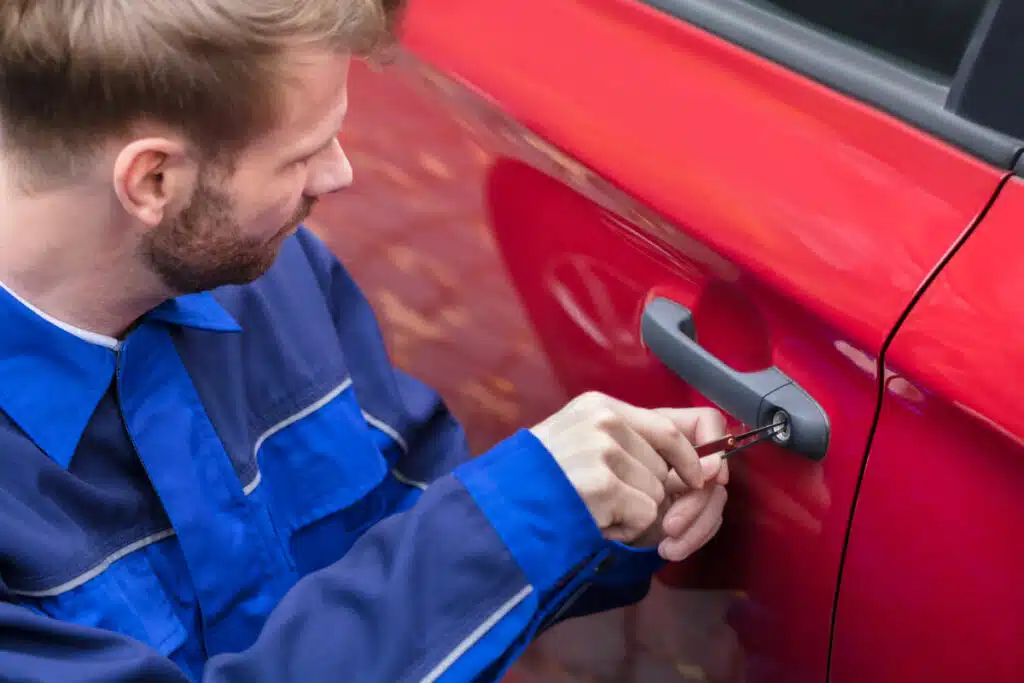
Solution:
(203, 247)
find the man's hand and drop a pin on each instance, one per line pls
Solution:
(637, 470)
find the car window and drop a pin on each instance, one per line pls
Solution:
(929, 36)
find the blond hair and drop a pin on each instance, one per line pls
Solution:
(73, 73)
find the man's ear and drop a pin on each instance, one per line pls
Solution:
(154, 177)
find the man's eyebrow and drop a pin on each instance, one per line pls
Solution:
(308, 150)
(305, 151)
(326, 143)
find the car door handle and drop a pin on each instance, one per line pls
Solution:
(754, 398)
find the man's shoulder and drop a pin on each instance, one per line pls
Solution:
(305, 329)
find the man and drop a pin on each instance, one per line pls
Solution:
(208, 468)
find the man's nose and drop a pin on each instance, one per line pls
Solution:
(329, 172)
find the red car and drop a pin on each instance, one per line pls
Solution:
(809, 209)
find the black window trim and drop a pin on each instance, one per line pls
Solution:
(931, 106)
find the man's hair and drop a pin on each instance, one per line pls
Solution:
(74, 73)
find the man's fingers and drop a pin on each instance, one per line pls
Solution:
(685, 510)
(712, 467)
(641, 449)
(684, 459)
(634, 513)
(699, 425)
(709, 516)
(709, 425)
(674, 486)
(620, 458)
(665, 436)
(635, 474)
(679, 546)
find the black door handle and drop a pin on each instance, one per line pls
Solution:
(754, 398)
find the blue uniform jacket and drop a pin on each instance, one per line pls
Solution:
(247, 490)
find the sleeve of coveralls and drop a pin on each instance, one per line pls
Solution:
(434, 441)
(435, 444)
(449, 590)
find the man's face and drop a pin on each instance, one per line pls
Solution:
(232, 229)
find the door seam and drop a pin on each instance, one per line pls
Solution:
(880, 396)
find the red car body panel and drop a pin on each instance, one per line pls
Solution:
(567, 161)
(761, 164)
(935, 552)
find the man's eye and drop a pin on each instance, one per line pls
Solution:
(309, 157)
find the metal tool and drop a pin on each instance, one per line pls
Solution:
(733, 443)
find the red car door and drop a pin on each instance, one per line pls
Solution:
(677, 202)
(932, 580)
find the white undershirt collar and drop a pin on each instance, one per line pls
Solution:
(85, 335)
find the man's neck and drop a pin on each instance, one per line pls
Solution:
(62, 252)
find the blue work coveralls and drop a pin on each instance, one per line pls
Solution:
(247, 490)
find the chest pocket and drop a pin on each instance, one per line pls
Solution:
(125, 595)
(320, 477)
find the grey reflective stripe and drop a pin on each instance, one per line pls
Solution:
(251, 486)
(98, 569)
(393, 433)
(474, 637)
(407, 481)
(387, 429)
(288, 421)
(155, 538)
(305, 412)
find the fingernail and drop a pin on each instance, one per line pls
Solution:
(711, 464)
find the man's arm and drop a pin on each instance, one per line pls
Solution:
(433, 441)
(444, 591)
(453, 588)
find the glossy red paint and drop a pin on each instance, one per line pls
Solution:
(932, 585)
(796, 223)
(600, 153)
(803, 185)
(585, 289)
